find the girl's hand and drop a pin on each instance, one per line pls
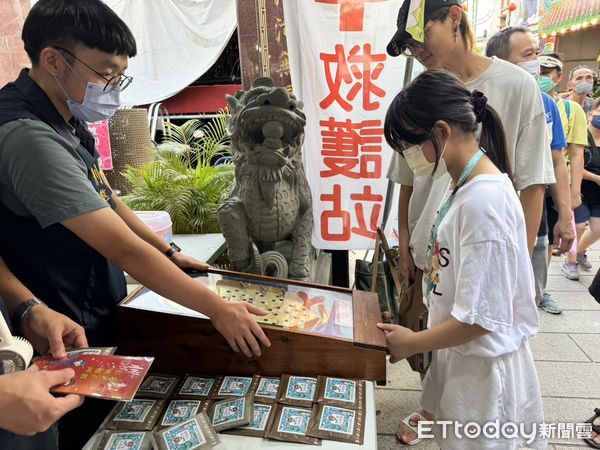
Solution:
(400, 341)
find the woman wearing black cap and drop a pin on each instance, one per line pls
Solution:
(449, 44)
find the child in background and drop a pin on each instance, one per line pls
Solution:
(478, 280)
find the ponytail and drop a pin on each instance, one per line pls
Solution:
(493, 140)
(438, 95)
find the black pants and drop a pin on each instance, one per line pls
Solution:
(41, 441)
(79, 425)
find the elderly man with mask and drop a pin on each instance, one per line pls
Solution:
(518, 46)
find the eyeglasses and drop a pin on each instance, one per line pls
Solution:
(120, 81)
(408, 48)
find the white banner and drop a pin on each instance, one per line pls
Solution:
(342, 73)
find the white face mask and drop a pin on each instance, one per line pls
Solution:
(97, 105)
(532, 67)
(419, 165)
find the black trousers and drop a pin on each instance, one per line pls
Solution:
(78, 426)
(41, 441)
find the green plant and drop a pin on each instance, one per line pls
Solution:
(183, 180)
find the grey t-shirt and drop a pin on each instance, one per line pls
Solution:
(42, 175)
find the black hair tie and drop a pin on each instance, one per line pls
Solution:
(479, 101)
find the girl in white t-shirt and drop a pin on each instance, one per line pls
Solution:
(478, 280)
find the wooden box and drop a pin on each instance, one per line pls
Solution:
(313, 329)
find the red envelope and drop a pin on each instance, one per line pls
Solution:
(100, 376)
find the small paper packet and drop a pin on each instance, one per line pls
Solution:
(342, 392)
(260, 424)
(157, 386)
(138, 414)
(195, 433)
(297, 390)
(232, 412)
(180, 410)
(118, 440)
(197, 387)
(338, 424)
(233, 386)
(290, 424)
(266, 389)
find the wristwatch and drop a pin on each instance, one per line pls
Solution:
(174, 249)
(22, 310)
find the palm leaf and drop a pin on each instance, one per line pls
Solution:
(189, 188)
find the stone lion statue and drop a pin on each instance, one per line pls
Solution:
(267, 218)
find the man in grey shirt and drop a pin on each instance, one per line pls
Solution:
(64, 233)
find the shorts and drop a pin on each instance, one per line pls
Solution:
(586, 211)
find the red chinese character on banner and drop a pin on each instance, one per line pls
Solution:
(341, 144)
(359, 70)
(337, 213)
(368, 230)
(352, 13)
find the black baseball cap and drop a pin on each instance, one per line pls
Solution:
(393, 48)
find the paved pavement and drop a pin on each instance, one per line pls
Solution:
(567, 356)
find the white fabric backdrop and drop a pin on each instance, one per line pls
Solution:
(177, 40)
(347, 206)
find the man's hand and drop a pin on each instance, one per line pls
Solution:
(399, 341)
(235, 323)
(187, 262)
(563, 235)
(50, 331)
(27, 407)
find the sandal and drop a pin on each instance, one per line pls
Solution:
(595, 428)
(412, 422)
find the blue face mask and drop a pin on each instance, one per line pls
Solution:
(97, 105)
(596, 121)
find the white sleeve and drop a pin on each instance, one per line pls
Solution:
(533, 158)
(399, 172)
(485, 285)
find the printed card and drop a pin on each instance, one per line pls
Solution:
(195, 433)
(101, 376)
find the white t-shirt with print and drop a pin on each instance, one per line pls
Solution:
(515, 96)
(481, 272)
